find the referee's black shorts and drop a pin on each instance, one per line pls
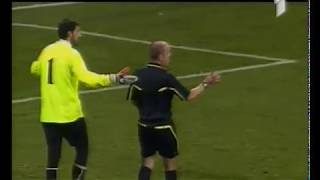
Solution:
(161, 139)
(75, 132)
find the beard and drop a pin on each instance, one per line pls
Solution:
(74, 41)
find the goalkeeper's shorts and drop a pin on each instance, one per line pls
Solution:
(75, 133)
(161, 139)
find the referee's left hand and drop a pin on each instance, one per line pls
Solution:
(212, 79)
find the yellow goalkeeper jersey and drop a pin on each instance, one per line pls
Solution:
(60, 68)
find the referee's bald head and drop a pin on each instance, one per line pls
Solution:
(158, 48)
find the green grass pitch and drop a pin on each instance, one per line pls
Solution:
(252, 126)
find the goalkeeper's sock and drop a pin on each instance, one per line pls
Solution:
(144, 173)
(51, 173)
(171, 175)
(78, 172)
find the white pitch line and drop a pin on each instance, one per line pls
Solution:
(279, 61)
(252, 56)
(16, 101)
(43, 5)
(236, 69)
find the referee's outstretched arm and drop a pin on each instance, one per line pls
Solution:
(210, 80)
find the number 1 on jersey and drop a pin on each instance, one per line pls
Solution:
(50, 71)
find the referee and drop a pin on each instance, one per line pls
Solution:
(60, 68)
(152, 95)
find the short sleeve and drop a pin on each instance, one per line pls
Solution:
(181, 91)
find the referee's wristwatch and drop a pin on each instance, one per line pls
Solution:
(204, 84)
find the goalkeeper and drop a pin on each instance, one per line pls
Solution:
(60, 68)
(152, 94)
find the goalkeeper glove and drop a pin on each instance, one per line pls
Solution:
(123, 77)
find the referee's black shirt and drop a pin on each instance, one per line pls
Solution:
(153, 92)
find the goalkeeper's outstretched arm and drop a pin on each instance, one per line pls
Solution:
(92, 79)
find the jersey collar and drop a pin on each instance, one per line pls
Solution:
(65, 42)
(156, 65)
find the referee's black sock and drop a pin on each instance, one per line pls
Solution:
(51, 173)
(144, 173)
(171, 175)
(78, 172)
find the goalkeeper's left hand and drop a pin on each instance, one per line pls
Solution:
(123, 76)
(123, 72)
(128, 79)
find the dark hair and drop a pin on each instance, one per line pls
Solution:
(65, 26)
